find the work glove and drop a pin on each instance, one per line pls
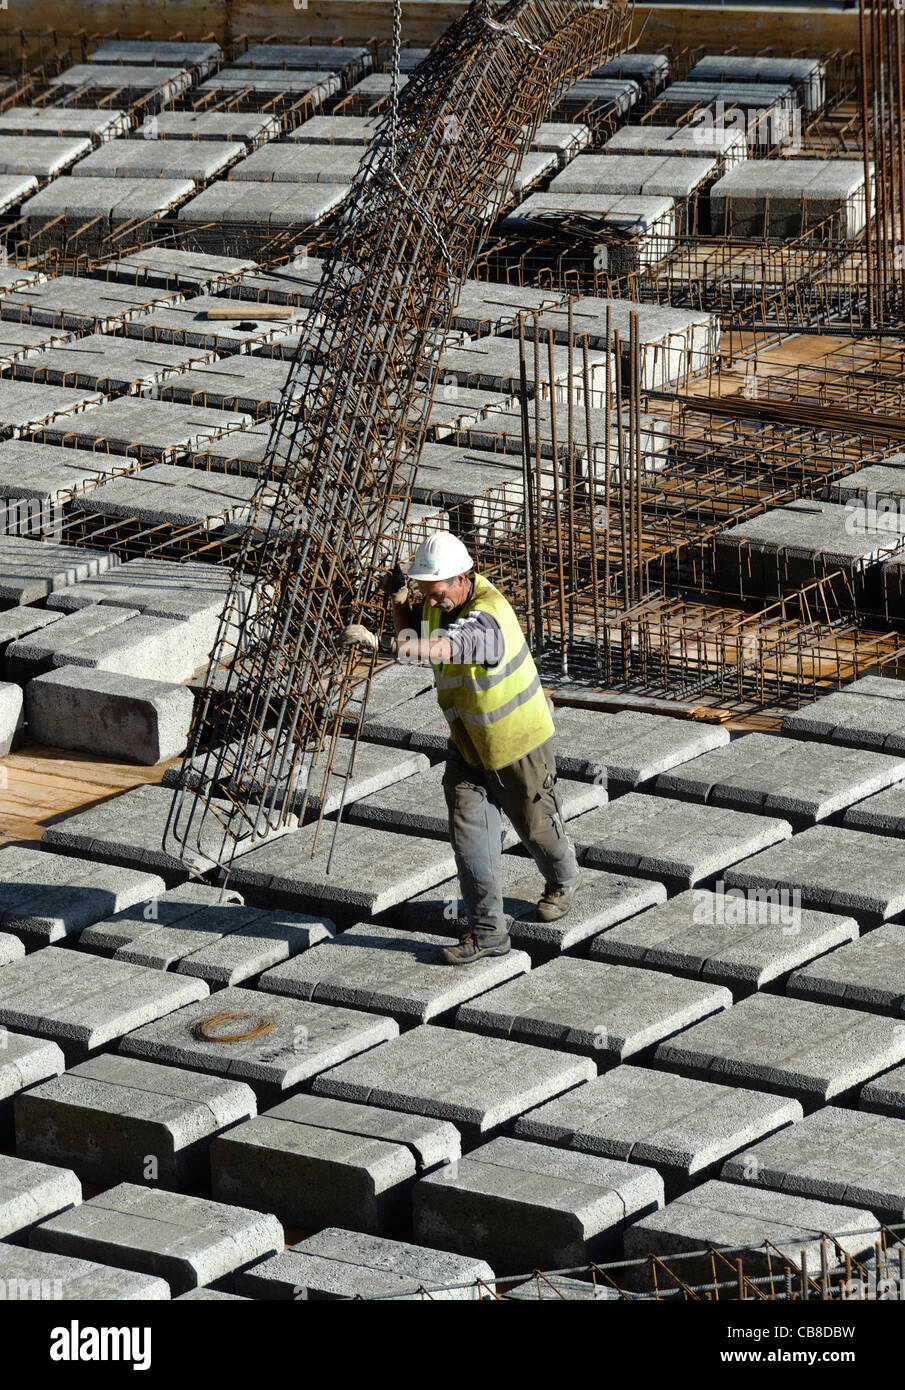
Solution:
(357, 635)
(394, 585)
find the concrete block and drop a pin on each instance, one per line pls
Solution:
(831, 869)
(121, 640)
(607, 1012)
(478, 1083)
(27, 408)
(632, 747)
(335, 130)
(806, 75)
(96, 122)
(200, 56)
(492, 364)
(145, 721)
(338, 1264)
(804, 782)
(175, 269)
(867, 974)
(314, 1162)
(83, 1003)
(857, 719)
(209, 1296)
(118, 1119)
(10, 949)
(371, 871)
(789, 198)
(30, 1193)
(253, 385)
(526, 1206)
(41, 155)
(12, 721)
(835, 1155)
(654, 175)
(885, 1095)
(883, 813)
(725, 1217)
(24, 1062)
(153, 431)
(199, 161)
(14, 188)
(32, 569)
(188, 1241)
(101, 362)
(46, 896)
(163, 495)
(560, 1288)
(672, 841)
(602, 900)
(814, 1052)
(298, 205)
(604, 95)
(727, 147)
(305, 1039)
(38, 1274)
(222, 942)
(301, 163)
(746, 942)
(648, 224)
(683, 1128)
(186, 323)
(78, 304)
(401, 974)
(40, 473)
(417, 805)
(247, 130)
(164, 82)
(349, 60)
(155, 588)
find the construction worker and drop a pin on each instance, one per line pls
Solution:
(500, 756)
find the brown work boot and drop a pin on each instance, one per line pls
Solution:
(556, 902)
(474, 946)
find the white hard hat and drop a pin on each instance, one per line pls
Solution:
(441, 556)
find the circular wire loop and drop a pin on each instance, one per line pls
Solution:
(200, 1029)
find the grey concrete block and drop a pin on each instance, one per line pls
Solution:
(804, 782)
(306, 1038)
(224, 943)
(153, 431)
(646, 224)
(674, 842)
(857, 719)
(41, 1275)
(744, 941)
(24, 1062)
(41, 473)
(725, 1217)
(19, 622)
(200, 56)
(401, 974)
(14, 188)
(601, 900)
(883, 813)
(27, 408)
(188, 1241)
(241, 383)
(835, 1155)
(561, 1288)
(301, 163)
(632, 747)
(187, 323)
(32, 569)
(198, 160)
(46, 896)
(173, 268)
(99, 124)
(478, 1083)
(42, 155)
(790, 197)
(155, 588)
(298, 205)
(119, 1119)
(82, 1002)
(335, 130)
(371, 870)
(683, 1128)
(348, 59)
(832, 869)
(314, 1162)
(30, 1193)
(337, 1264)
(728, 147)
(814, 1052)
(11, 949)
(653, 175)
(493, 364)
(806, 75)
(12, 717)
(417, 805)
(868, 974)
(78, 303)
(526, 1206)
(608, 1012)
(209, 1296)
(885, 1095)
(121, 640)
(101, 362)
(145, 721)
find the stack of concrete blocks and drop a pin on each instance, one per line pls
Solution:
(199, 161)
(236, 128)
(349, 62)
(98, 124)
(243, 211)
(189, 272)
(651, 70)
(648, 224)
(44, 156)
(788, 547)
(806, 75)
(107, 364)
(793, 198)
(767, 113)
(201, 57)
(727, 147)
(84, 214)
(126, 83)
(676, 344)
(596, 99)
(258, 87)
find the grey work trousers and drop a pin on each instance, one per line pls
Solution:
(476, 799)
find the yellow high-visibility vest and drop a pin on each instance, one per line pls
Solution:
(499, 713)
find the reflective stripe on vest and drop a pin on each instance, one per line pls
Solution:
(498, 714)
